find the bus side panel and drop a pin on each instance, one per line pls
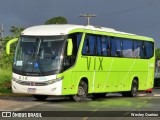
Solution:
(141, 68)
(151, 68)
(66, 82)
(124, 81)
(111, 82)
(129, 69)
(84, 69)
(126, 66)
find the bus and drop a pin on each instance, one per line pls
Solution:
(76, 60)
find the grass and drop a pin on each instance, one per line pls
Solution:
(5, 90)
(5, 80)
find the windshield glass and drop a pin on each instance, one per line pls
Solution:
(38, 54)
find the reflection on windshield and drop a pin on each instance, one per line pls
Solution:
(38, 54)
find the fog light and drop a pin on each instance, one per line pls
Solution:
(53, 89)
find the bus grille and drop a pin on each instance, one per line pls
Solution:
(33, 83)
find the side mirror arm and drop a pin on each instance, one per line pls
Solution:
(8, 46)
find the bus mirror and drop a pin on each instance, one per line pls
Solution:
(69, 47)
(8, 46)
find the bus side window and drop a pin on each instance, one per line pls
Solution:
(138, 49)
(85, 50)
(127, 48)
(89, 46)
(113, 47)
(99, 46)
(119, 47)
(104, 45)
(149, 49)
(92, 44)
(108, 47)
(70, 60)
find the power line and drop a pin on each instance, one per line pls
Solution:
(127, 10)
(88, 17)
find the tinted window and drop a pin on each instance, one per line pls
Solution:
(104, 45)
(113, 47)
(70, 60)
(149, 49)
(89, 46)
(99, 46)
(76, 38)
(138, 49)
(127, 48)
(92, 44)
(116, 47)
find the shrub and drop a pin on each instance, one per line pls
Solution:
(5, 78)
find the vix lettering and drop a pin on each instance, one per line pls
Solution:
(89, 59)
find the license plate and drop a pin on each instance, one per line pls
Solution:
(31, 90)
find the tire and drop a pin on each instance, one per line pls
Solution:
(40, 97)
(99, 95)
(82, 92)
(125, 94)
(133, 91)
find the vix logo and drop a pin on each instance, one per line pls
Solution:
(89, 59)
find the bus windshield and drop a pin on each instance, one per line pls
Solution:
(38, 54)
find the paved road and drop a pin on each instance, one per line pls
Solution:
(112, 102)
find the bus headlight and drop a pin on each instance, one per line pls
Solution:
(54, 80)
(16, 80)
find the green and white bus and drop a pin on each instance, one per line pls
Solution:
(77, 60)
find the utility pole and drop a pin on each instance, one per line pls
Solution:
(1, 37)
(1, 32)
(88, 17)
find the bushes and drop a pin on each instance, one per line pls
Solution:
(5, 78)
(6, 62)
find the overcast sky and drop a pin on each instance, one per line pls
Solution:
(140, 17)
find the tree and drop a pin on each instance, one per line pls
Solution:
(57, 20)
(16, 31)
(157, 53)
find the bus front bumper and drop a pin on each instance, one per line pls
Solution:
(52, 89)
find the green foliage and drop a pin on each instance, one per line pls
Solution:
(57, 20)
(6, 61)
(157, 52)
(16, 31)
(5, 78)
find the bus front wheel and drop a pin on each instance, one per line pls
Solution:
(40, 97)
(82, 92)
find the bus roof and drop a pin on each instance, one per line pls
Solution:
(62, 29)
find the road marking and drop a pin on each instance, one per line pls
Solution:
(27, 106)
(85, 118)
(141, 94)
(18, 109)
(156, 95)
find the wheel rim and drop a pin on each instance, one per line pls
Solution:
(134, 90)
(81, 91)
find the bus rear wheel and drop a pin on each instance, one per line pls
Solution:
(82, 92)
(40, 97)
(134, 90)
